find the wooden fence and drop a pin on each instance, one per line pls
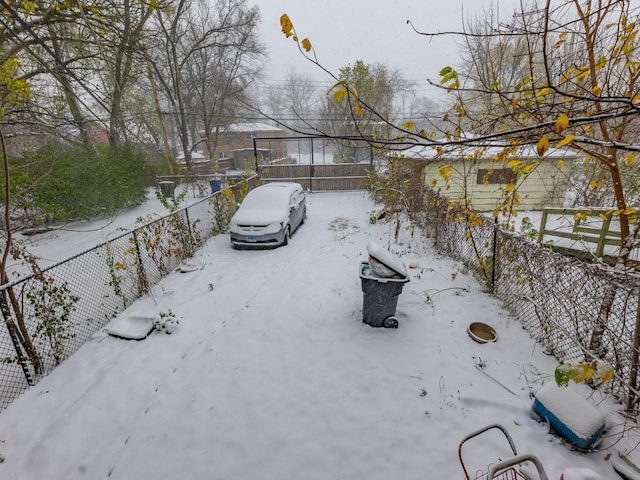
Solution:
(320, 178)
(582, 227)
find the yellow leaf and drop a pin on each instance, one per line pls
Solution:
(629, 211)
(587, 372)
(543, 91)
(566, 141)
(514, 163)
(543, 146)
(440, 150)
(630, 160)
(529, 167)
(510, 187)
(603, 216)
(582, 75)
(596, 90)
(445, 172)
(628, 44)
(567, 76)
(358, 110)
(287, 26)
(561, 123)
(560, 163)
(306, 44)
(576, 373)
(593, 185)
(636, 98)
(408, 125)
(340, 94)
(605, 371)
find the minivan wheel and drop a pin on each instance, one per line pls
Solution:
(287, 236)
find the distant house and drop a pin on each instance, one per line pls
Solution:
(235, 145)
(97, 133)
(483, 179)
(22, 137)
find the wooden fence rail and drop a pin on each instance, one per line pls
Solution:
(320, 178)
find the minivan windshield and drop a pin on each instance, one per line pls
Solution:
(267, 199)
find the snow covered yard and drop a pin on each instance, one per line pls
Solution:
(272, 374)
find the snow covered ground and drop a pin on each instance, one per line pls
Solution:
(64, 241)
(272, 374)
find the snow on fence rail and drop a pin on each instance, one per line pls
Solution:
(575, 309)
(53, 312)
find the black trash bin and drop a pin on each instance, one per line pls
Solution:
(382, 280)
(167, 189)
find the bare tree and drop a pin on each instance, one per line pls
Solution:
(301, 98)
(208, 56)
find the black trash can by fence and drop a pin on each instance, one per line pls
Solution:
(382, 278)
(380, 298)
(167, 189)
(215, 184)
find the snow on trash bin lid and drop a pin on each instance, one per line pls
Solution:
(387, 258)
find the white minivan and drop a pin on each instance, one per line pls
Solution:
(268, 216)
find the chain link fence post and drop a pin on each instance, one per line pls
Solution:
(8, 321)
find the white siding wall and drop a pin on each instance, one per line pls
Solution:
(545, 186)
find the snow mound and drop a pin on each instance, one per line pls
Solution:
(132, 327)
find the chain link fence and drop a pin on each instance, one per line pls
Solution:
(578, 311)
(51, 313)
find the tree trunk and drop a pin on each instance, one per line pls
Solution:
(23, 337)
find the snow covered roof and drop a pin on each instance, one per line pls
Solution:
(422, 152)
(253, 127)
(194, 155)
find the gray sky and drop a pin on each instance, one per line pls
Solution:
(343, 31)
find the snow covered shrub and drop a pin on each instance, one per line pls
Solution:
(52, 308)
(224, 206)
(62, 182)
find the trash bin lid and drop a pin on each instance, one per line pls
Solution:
(387, 258)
